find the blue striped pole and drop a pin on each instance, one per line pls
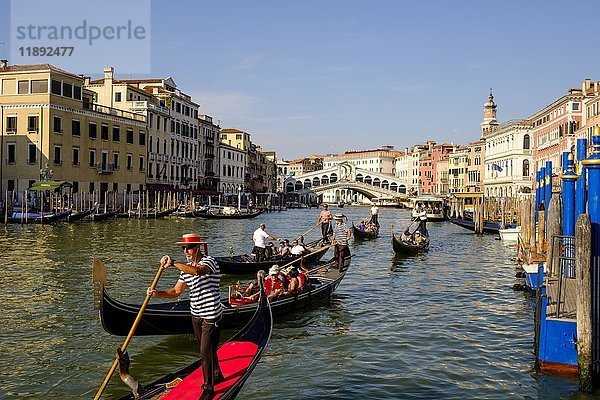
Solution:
(568, 196)
(564, 161)
(542, 187)
(592, 165)
(582, 180)
(537, 194)
(548, 183)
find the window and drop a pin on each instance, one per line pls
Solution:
(77, 92)
(117, 97)
(129, 161)
(129, 136)
(142, 164)
(11, 124)
(526, 142)
(142, 138)
(11, 153)
(104, 132)
(32, 123)
(76, 156)
(57, 154)
(116, 133)
(75, 127)
(525, 168)
(39, 86)
(93, 130)
(67, 90)
(23, 87)
(92, 160)
(56, 87)
(57, 124)
(116, 160)
(575, 106)
(91, 187)
(31, 153)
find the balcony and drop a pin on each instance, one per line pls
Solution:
(105, 168)
(209, 155)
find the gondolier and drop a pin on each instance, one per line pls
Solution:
(375, 215)
(324, 218)
(259, 237)
(341, 234)
(201, 274)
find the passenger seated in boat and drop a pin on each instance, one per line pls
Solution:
(298, 249)
(296, 281)
(419, 239)
(362, 226)
(270, 251)
(406, 237)
(284, 248)
(274, 284)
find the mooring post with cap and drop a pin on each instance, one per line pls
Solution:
(580, 185)
(592, 165)
(548, 183)
(568, 196)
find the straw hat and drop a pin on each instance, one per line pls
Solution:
(339, 216)
(190, 238)
(274, 270)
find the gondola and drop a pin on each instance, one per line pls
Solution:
(402, 247)
(173, 318)
(488, 226)
(360, 234)
(79, 215)
(208, 215)
(237, 359)
(104, 216)
(37, 218)
(244, 264)
(147, 214)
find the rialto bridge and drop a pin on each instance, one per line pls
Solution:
(345, 182)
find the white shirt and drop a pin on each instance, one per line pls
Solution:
(374, 210)
(298, 250)
(259, 238)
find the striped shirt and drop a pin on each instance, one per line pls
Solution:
(340, 233)
(205, 297)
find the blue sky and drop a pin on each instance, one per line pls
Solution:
(328, 76)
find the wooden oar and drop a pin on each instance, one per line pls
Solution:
(131, 332)
(302, 256)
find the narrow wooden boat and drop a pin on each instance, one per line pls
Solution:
(103, 216)
(79, 215)
(210, 215)
(37, 218)
(488, 226)
(401, 247)
(147, 214)
(237, 359)
(173, 318)
(360, 234)
(244, 264)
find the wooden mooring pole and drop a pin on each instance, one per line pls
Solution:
(583, 256)
(554, 229)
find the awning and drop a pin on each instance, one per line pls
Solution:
(49, 185)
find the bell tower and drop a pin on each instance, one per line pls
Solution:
(489, 123)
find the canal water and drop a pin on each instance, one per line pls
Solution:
(445, 325)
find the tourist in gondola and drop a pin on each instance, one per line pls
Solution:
(202, 275)
(284, 248)
(341, 235)
(324, 218)
(406, 236)
(259, 237)
(298, 249)
(295, 281)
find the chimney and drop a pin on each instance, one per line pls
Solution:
(587, 84)
(3, 64)
(109, 72)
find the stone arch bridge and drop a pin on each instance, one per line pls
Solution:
(345, 182)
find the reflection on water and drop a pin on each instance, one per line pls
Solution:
(445, 324)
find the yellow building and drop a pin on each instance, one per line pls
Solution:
(236, 138)
(51, 128)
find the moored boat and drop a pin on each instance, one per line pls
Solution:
(79, 215)
(36, 217)
(103, 216)
(237, 359)
(434, 208)
(172, 318)
(241, 215)
(488, 226)
(510, 234)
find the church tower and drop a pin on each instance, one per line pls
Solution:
(489, 123)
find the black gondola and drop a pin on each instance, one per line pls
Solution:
(488, 226)
(103, 216)
(237, 359)
(147, 214)
(363, 234)
(402, 247)
(209, 215)
(173, 318)
(37, 218)
(244, 264)
(79, 215)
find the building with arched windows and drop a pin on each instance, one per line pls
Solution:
(508, 155)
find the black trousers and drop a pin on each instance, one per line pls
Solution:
(340, 252)
(324, 229)
(259, 252)
(375, 219)
(208, 334)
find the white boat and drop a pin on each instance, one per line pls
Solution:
(510, 234)
(433, 206)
